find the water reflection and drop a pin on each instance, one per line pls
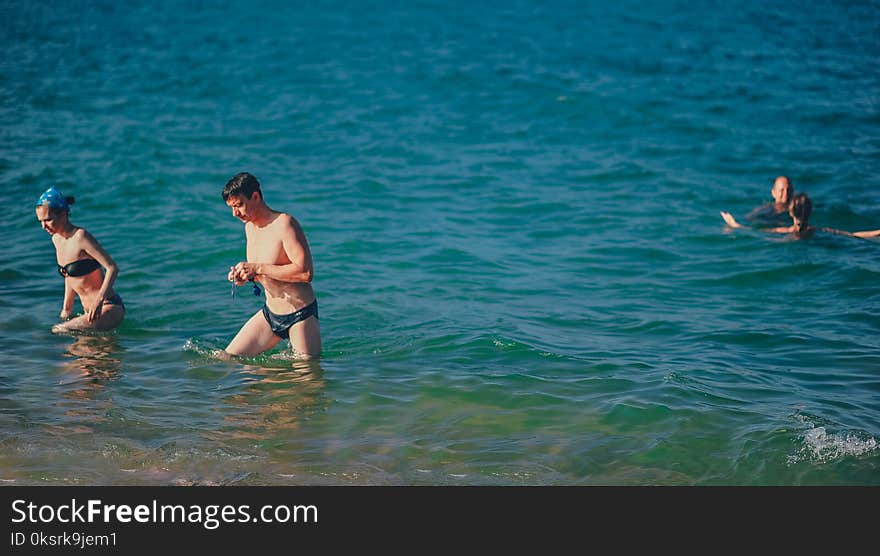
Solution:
(91, 363)
(273, 402)
(95, 357)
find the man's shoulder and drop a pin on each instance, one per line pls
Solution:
(285, 220)
(765, 207)
(761, 211)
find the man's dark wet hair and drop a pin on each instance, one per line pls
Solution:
(242, 185)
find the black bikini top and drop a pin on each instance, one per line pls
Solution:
(79, 268)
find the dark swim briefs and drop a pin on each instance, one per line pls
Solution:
(280, 324)
(115, 300)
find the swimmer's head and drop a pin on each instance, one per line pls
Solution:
(53, 210)
(53, 199)
(782, 190)
(242, 185)
(242, 194)
(800, 210)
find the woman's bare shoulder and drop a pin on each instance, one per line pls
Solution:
(83, 235)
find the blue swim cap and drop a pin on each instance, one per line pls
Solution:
(53, 199)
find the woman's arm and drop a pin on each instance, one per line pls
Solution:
(780, 230)
(867, 233)
(93, 248)
(838, 232)
(67, 306)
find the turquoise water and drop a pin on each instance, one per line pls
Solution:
(513, 213)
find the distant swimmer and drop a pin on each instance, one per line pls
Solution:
(777, 211)
(80, 261)
(278, 257)
(800, 210)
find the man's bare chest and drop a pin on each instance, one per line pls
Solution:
(265, 247)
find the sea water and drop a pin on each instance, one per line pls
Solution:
(513, 210)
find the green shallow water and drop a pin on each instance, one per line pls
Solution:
(513, 212)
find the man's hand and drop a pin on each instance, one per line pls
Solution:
(65, 314)
(245, 271)
(728, 218)
(232, 277)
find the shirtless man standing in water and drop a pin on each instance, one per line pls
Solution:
(278, 257)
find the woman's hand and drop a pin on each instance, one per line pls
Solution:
(65, 314)
(95, 314)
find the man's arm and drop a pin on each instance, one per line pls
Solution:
(760, 212)
(731, 221)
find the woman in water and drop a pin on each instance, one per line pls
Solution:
(800, 209)
(80, 260)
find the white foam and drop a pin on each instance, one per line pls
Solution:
(821, 446)
(189, 345)
(501, 343)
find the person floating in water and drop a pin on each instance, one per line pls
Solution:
(777, 211)
(80, 259)
(800, 210)
(278, 257)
